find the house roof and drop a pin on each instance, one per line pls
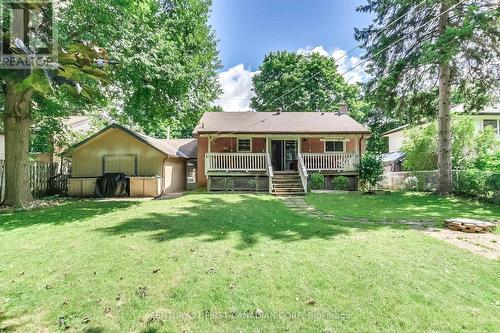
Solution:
(278, 123)
(162, 145)
(397, 129)
(489, 110)
(188, 147)
(392, 157)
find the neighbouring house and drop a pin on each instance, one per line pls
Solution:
(80, 125)
(153, 166)
(393, 160)
(490, 116)
(277, 151)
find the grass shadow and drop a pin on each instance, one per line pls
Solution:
(66, 213)
(252, 217)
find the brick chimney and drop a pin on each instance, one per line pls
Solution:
(344, 109)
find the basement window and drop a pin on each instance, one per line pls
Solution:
(244, 145)
(334, 147)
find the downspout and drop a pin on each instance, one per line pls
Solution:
(359, 144)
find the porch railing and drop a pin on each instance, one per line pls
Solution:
(331, 162)
(244, 162)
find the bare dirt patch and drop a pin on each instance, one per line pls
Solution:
(486, 245)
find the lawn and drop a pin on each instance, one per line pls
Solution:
(226, 263)
(399, 206)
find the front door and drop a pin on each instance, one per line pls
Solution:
(284, 155)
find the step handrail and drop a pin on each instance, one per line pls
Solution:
(302, 171)
(270, 173)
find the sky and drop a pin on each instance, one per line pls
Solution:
(247, 30)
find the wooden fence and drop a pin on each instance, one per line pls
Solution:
(45, 179)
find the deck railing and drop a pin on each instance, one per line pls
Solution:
(331, 161)
(243, 162)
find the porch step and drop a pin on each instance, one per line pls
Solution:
(288, 194)
(287, 183)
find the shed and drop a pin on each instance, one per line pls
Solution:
(153, 166)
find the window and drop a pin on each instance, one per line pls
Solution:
(492, 123)
(334, 146)
(120, 164)
(244, 145)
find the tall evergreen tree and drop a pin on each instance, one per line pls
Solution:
(422, 54)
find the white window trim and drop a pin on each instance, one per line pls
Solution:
(334, 152)
(238, 145)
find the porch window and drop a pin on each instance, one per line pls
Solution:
(334, 146)
(244, 145)
(492, 123)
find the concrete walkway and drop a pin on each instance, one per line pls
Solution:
(298, 205)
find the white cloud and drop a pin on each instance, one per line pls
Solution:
(236, 82)
(344, 62)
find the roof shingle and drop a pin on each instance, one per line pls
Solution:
(282, 123)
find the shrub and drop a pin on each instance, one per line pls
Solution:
(317, 181)
(340, 183)
(469, 149)
(371, 171)
(478, 184)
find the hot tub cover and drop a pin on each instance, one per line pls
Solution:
(111, 185)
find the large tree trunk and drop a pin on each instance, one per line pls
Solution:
(17, 124)
(445, 185)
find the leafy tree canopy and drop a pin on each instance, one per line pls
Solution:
(167, 60)
(469, 149)
(298, 82)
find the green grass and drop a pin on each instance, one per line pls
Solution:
(402, 206)
(220, 257)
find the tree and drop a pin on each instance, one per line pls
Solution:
(166, 73)
(74, 67)
(300, 82)
(422, 54)
(371, 171)
(469, 149)
(167, 54)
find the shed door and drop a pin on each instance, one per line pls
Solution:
(120, 164)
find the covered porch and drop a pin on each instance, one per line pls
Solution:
(266, 155)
